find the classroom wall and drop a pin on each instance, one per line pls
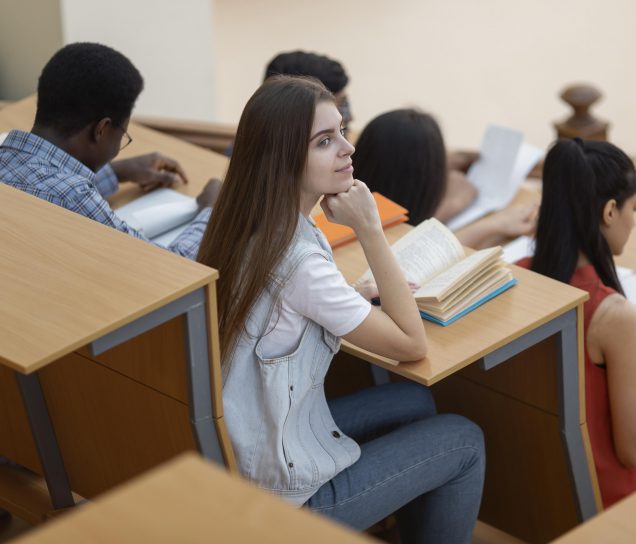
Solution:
(170, 43)
(469, 62)
(26, 43)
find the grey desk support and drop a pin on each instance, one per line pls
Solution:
(192, 305)
(564, 327)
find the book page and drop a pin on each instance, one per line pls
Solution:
(437, 287)
(503, 165)
(159, 211)
(426, 251)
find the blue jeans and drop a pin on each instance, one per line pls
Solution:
(427, 468)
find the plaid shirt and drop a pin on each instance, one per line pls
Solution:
(37, 167)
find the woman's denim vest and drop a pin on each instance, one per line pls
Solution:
(283, 434)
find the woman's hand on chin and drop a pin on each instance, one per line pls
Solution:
(354, 208)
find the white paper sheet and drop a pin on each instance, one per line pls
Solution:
(518, 249)
(504, 162)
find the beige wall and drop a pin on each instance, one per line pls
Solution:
(469, 62)
(169, 41)
(30, 32)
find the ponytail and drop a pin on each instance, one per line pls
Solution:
(579, 178)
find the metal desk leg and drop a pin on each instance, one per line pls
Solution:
(568, 376)
(192, 306)
(45, 440)
(199, 384)
(564, 328)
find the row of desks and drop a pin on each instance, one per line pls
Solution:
(540, 480)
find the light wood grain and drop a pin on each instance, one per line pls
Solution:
(188, 500)
(617, 525)
(64, 289)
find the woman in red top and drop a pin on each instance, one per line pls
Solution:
(587, 214)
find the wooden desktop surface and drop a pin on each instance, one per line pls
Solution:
(617, 525)
(124, 411)
(189, 500)
(534, 301)
(59, 295)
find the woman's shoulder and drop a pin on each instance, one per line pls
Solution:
(615, 309)
(613, 322)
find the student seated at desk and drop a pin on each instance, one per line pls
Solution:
(283, 306)
(586, 216)
(86, 94)
(401, 155)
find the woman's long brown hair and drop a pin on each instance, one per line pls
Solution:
(256, 214)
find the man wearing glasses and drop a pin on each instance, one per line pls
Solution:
(86, 93)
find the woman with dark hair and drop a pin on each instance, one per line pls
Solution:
(401, 154)
(586, 216)
(283, 306)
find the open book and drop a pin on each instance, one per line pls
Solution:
(504, 162)
(161, 215)
(451, 283)
(338, 235)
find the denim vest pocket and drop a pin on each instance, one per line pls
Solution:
(270, 464)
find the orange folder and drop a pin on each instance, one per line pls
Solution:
(338, 235)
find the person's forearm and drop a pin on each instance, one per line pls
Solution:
(397, 300)
(480, 234)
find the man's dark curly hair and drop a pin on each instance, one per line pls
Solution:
(299, 63)
(83, 83)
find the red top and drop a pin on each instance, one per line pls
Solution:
(614, 479)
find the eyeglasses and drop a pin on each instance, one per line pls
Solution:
(126, 140)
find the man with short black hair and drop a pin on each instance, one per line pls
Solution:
(86, 93)
(328, 71)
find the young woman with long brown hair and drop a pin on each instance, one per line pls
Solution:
(283, 306)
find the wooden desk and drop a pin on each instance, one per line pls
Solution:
(189, 500)
(617, 525)
(111, 386)
(540, 479)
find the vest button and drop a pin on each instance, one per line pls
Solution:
(335, 434)
(291, 387)
(290, 465)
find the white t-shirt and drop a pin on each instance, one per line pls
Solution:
(317, 291)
